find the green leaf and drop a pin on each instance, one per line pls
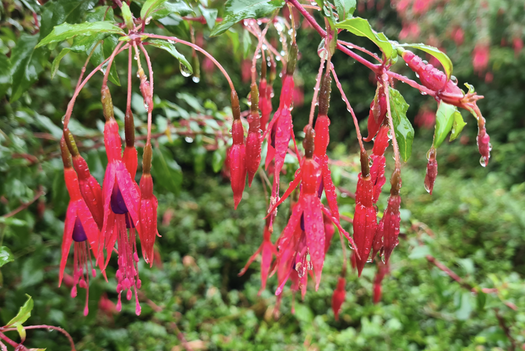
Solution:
(5, 255)
(26, 65)
(402, 126)
(463, 313)
(361, 27)
(219, 156)
(66, 31)
(169, 8)
(166, 170)
(58, 12)
(237, 10)
(246, 43)
(149, 7)
(126, 14)
(419, 252)
(457, 126)
(439, 55)
(102, 52)
(444, 119)
(56, 61)
(481, 299)
(210, 15)
(169, 47)
(23, 315)
(345, 8)
(5, 74)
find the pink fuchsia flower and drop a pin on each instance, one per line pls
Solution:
(458, 35)
(517, 43)
(121, 204)
(80, 228)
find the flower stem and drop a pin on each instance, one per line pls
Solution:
(349, 107)
(316, 91)
(150, 70)
(386, 84)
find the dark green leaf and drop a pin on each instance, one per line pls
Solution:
(166, 170)
(481, 300)
(23, 315)
(58, 12)
(439, 55)
(176, 25)
(237, 10)
(56, 61)
(210, 15)
(444, 118)
(5, 255)
(25, 65)
(102, 52)
(361, 27)
(66, 31)
(169, 47)
(345, 8)
(457, 126)
(5, 74)
(403, 129)
(169, 8)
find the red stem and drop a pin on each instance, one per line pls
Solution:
(322, 32)
(43, 326)
(9, 341)
(150, 70)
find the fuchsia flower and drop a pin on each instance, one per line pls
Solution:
(237, 153)
(338, 297)
(382, 270)
(267, 251)
(80, 228)
(480, 57)
(121, 203)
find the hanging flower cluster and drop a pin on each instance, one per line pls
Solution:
(104, 219)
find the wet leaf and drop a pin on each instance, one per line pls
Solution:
(5, 255)
(172, 8)
(237, 10)
(210, 15)
(445, 116)
(25, 64)
(402, 126)
(457, 126)
(90, 29)
(5, 74)
(361, 27)
(169, 47)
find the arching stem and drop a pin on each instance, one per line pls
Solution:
(386, 84)
(150, 70)
(316, 92)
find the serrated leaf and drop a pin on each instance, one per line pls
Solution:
(219, 156)
(25, 65)
(5, 74)
(238, 10)
(439, 55)
(345, 8)
(66, 31)
(56, 61)
(402, 126)
(166, 170)
(58, 12)
(169, 47)
(210, 15)
(457, 126)
(361, 27)
(23, 315)
(444, 119)
(5, 255)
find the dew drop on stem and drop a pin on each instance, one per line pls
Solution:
(184, 70)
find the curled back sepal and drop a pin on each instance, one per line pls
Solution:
(147, 208)
(89, 186)
(254, 139)
(432, 170)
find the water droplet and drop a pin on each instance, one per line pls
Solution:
(184, 70)
(482, 162)
(188, 139)
(427, 188)
(195, 79)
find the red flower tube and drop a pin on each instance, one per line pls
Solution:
(80, 228)
(237, 160)
(254, 140)
(338, 297)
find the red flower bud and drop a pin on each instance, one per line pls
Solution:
(338, 297)
(237, 162)
(483, 140)
(432, 170)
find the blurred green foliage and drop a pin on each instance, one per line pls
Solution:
(473, 224)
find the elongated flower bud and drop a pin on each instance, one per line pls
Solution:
(148, 209)
(432, 170)
(254, 140)
(338, 297)
(237, 162)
